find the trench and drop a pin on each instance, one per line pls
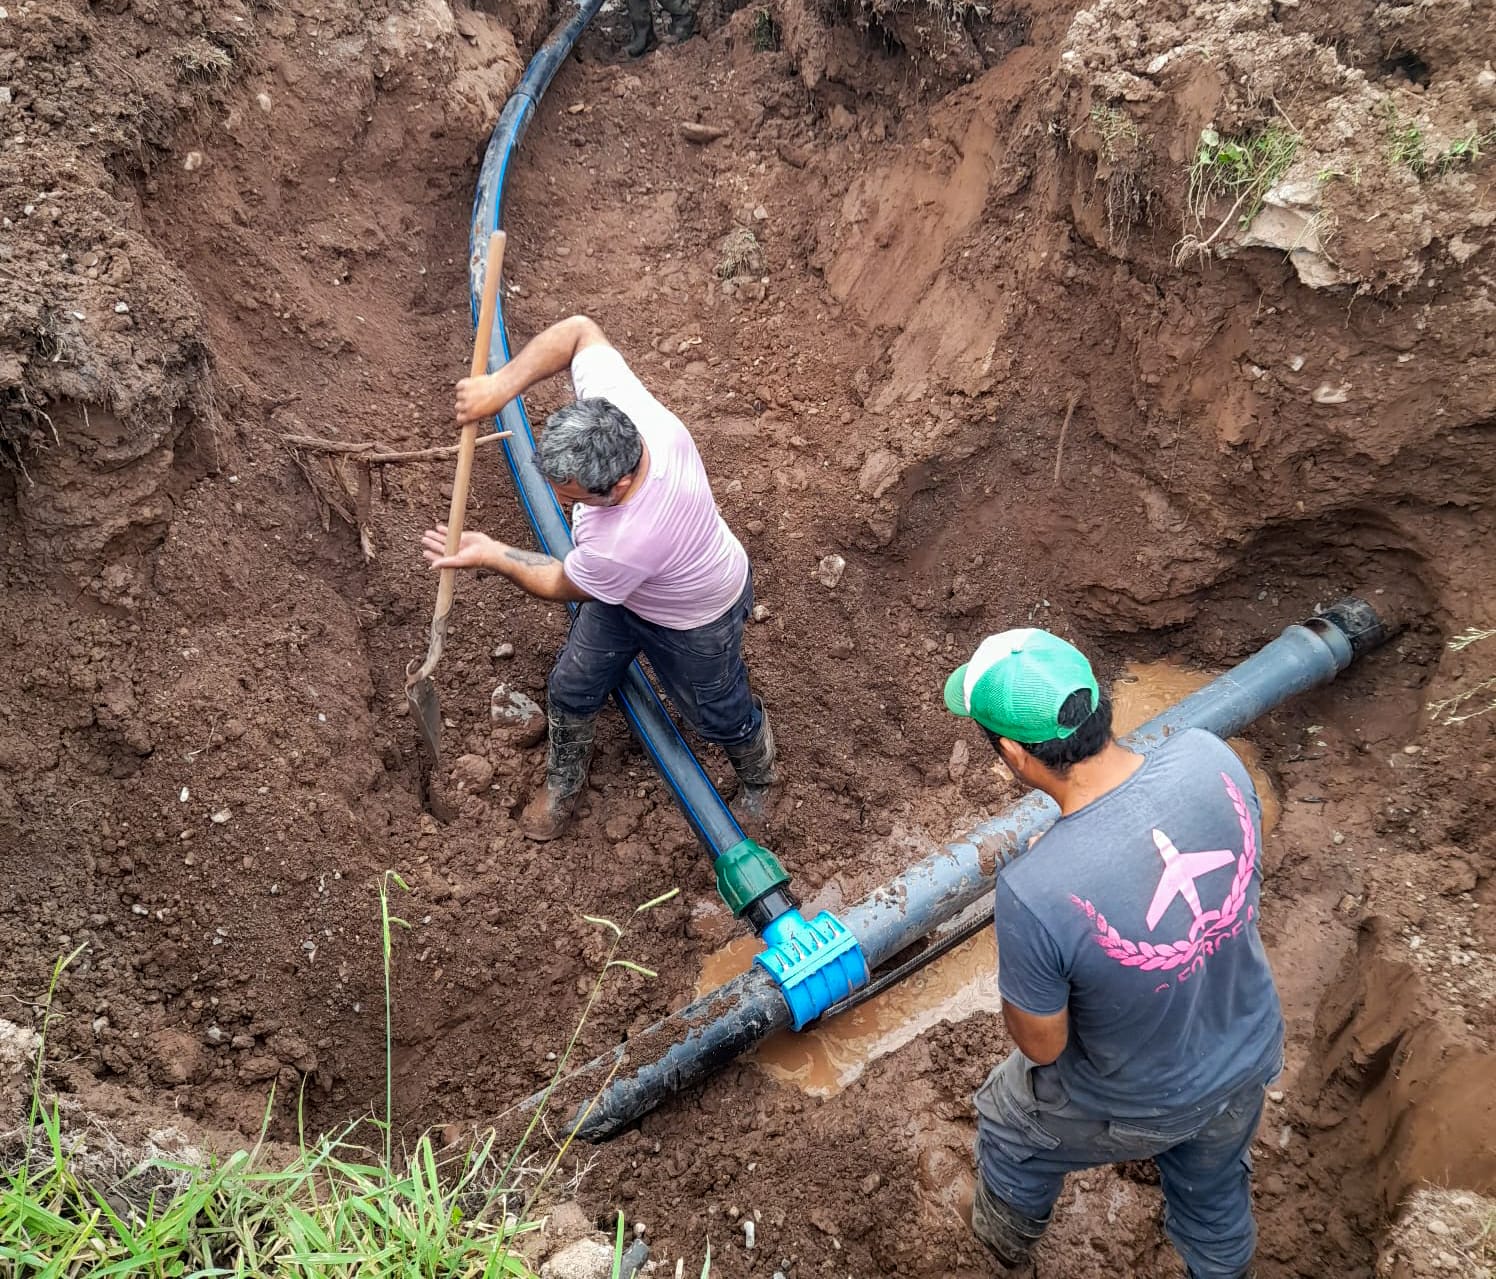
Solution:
(792, 394)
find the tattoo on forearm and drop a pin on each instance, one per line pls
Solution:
(533, 558)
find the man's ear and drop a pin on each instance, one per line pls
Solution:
(1014, 756)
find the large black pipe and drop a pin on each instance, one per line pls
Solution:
(704, 809)
(708, 1034)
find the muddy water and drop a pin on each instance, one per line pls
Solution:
(825, 1059)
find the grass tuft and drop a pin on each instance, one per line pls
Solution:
(1241, 170)
(345, 1207)
(201, 62)
(765, 30)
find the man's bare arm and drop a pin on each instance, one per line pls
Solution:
(546, 354)
(543, 576)
(1040, 1039)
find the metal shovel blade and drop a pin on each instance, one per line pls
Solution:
(428, 716)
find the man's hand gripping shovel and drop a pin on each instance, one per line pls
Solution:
(420, 690)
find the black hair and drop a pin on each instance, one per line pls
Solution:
(1093, 730)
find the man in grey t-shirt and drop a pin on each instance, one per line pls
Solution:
(1132, 975)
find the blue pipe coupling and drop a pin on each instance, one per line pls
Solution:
(816, 963)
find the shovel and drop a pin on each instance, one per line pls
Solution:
(420, 690)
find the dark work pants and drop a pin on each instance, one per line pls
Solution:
(1026, 1143)
(701, 669)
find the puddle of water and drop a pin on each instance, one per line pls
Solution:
(824, 1060)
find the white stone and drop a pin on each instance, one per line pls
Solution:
(584, 1259)
(829, 571)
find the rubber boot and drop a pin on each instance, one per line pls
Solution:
(753, 762)
(1009, 1235)
(641, 19)
(682, 19)
(551, 807)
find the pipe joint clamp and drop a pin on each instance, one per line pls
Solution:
(816, 963)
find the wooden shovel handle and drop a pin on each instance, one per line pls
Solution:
(467, 444)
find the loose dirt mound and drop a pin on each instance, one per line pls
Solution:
(925, 306)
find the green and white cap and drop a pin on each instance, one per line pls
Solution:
(1016, 683)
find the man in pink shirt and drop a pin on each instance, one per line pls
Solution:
(653, 566)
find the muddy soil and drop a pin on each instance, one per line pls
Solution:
(926, 307)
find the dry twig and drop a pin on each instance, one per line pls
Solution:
(376, 454)
(1059, 453)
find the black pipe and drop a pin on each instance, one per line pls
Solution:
(708, 1034)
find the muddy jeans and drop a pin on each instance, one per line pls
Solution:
(1029, 1135)
(701, 669)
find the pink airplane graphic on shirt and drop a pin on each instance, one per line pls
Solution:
(1181, 870)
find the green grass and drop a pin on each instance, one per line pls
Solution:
(765, 30)
(1241, 169)
(1408, 146)
(344, 1207)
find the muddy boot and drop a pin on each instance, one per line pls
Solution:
(641, 18)
(1008, 1235)
(682, 19)
(753, 762)
(551, 806)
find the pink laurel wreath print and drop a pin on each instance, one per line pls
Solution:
(1210, 929)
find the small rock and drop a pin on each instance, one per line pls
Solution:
(213, 1035)
(749, 1230)
(517, 716)
(1275, 1096)
(871, 1182)
(700, 134)
(1437, 1227)
(1337, 838)
(620, 827)
(760, 214)
(472, 773)
(262, 100)
(566, 1222)
(503, 652)
(1324, 393)
(960, 760)
(193, 162)
(829, 571)
(259, 1069)
(879, 473)
(122, 308)
(761, 613)
(584, 1259)
(220, 817)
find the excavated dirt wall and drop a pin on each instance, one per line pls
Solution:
(940, 301)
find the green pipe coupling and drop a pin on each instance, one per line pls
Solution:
(745, 872)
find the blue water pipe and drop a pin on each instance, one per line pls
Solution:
(816, 962)
(709, 1033)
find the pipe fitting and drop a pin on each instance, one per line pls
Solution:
(746, 873)
(816, 963)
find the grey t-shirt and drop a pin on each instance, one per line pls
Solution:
(1139, 913)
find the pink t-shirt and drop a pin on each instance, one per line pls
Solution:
(665, 554)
